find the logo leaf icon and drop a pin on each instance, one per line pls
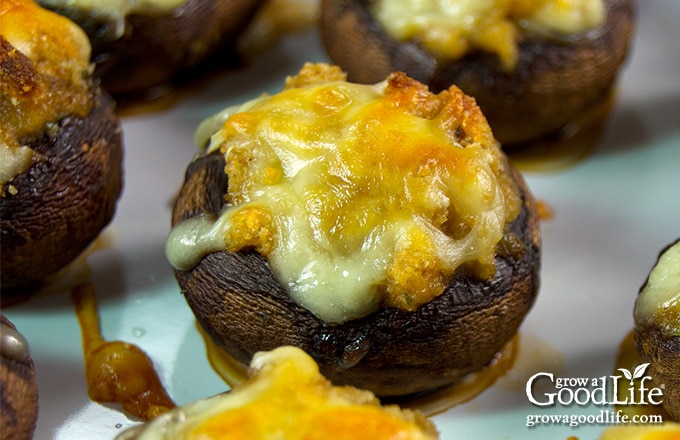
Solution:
(626, 373)
(639, 371)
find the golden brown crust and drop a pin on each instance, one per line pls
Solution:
(553, 83)
(45, 73)
(52, 212)
(244, 309)
(19, 394)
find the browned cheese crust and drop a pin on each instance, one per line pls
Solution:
(240, 304)
(554, 81)
(18, 393)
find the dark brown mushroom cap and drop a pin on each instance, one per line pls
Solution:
(663, 354)
(243, 308)
(155, 47)
(18, 388)
(554, 81)
(65, 198)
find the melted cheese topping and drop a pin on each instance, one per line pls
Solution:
(452, 28)
(359, 196)
(287, 398)
(45, 62)
(658, 304)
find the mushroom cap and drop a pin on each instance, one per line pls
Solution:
(244, 309)
(66, 197)
(18, 386)
(154, 47)
(663, 354)
(554, 82)
(657, 336)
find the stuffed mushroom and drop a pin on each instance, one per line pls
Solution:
(657, 326)
(139, 45)
(61, 145)
(285, 397)
(378, 227)
(533, 67)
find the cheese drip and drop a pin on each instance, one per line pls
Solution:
(453, 28)
(359, 196)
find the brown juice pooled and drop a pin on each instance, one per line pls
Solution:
(233, 372)
(467, 388)
(229, 369)
(117, 371)
(535, 354)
